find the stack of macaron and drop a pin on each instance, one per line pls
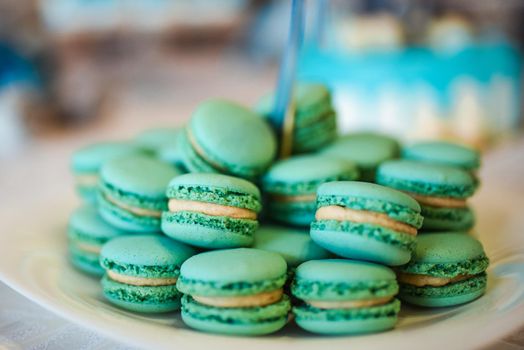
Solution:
(205, 219)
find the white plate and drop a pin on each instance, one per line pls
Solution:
(33, 261)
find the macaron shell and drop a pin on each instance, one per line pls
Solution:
(86, 224)
(299, 214)
(219, 126)
(443, 219)
(125, 220)
(347, 321)
(235, 321)
(442, 152)
(143, 299)
(206, 231)
(85, 262)
(89, 159)
(373, 246)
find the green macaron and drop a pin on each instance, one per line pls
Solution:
(87, 161)
(141, 272)
(291, 185)
(366, 149)
(164, 144)
(345, 297)
(132, 192)
(234, 291)
(294, 245)
(365, 221)
(224, 137)
(211, 211)
(441, 190)
(86, 234)
(314, 121)
(442, 152)
(447, 268)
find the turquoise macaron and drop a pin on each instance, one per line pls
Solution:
(294, 245)
(291, 185)
(132, 192)
(234, 291)
(366, 149)
(447, 268)
(441, 190)
(365, 221)
(225, 137)
(164, 144)
(141, 272)
(443, 152)
(314, 121)
(345, 297)
(87, 161)
(86, 234)
(211, 211)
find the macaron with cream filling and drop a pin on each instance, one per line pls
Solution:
(234, 291)
(211, 211)
(141, 272)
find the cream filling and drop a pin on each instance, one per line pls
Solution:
(88, 248)
(140, 281)
(424, 280)
(445, 202)
(260, 299)
(298, 198)
(198, 150)
(134, 210)
(86, 179)
(348, 304)
(335, 212)
(212, 209)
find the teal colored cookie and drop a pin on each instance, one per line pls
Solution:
(388, 240)
(141, 272)
(442, 152)
(295, 246)
(86, 234)
(448, 255)
(132, 192)
(429, 181)
(86, 163)
(215, 282)
(315, 121)
(211, 211)
(345, 297)
(291, 185)
(164, 144)
(224, 137)
(367, 150)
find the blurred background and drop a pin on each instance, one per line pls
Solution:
(412, 68)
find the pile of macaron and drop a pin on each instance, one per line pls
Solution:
(205, 219)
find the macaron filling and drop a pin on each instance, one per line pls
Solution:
(445, 202)
(348, 304)
(181, 205)
(201, 154)
(141, 281)
(132, 209)
(254, 300)
(338, 213)
(294, 198)
(426, 280)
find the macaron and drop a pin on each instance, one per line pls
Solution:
(211, 211)
(447, 268)
(291, 185)
(442, 152)
(132, 192)
(366, 149)
(87, 161)
(294, 245)
(224, 137)
(365, 221)
(86, 234)
(164, 144)
(234, 291)
(141, 272)
(345, 297)
(314, 121)
(441, 190)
